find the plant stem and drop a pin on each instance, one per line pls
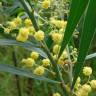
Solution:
(71, 67)
(29, 86)
(16, 76)
(31, 15)
(56, 68)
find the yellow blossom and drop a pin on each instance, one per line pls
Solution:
(12, 25)
(17, 21)
(57, 37)
(39, 36)
(87, 71)
(27, 22)
(93, 84)
(56, 49)
(46, 4)
(58, 23)
(29, 62)
(56, 94)
(46, 62)
(65, 54)
(31, 30)
(34, 55)
(39, 70)
(86, 88)
(7, 30)
(23, 35)
(61, 62)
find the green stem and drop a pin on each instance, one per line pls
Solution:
(71, 67)
(31, 15)
(16, 76)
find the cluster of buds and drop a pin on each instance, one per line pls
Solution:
(88, 86)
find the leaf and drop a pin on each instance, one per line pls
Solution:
(91, 56)
(27, 45)
(76, 11)
(21, 72)
(86, 37)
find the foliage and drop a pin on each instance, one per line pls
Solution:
(39, 40)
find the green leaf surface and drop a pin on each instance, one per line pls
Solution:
(76, 11)
(27, 45)
(86, 37)
(91, 56)
(22, 72)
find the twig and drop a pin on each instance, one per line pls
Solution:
(16, 76)
(71, 67)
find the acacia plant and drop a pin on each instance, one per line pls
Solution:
(49, 30)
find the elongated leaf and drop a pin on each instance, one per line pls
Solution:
(76, 11)
(86, 37)
(27, 45)
(91, 56)
(21, 72)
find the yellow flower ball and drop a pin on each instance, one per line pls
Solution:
(39, 36)
(58, 23)
(61, 62)
(46, 4)
(31, 30)
(46, 62)
(78, 80)
(56, 49)
(34, 55)
(56, 94)
(27, 22)
(87, 71)
(7, 30)
(81, 92)
(39, 70)
(17, 21)
(29, 62)
(86, 88)
(65, 54)
(23, 35)
(57, 37)
(77, 84)
(12, 25)
(93, 84)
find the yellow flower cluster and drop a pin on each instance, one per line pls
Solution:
(77, 84)
(56, 94)
(34, 55)
(39, 70)
(56, 49)
(14, 23)
(46, 62)
(46, 4)
(93, 84)
(23, 34)
(87, 71)
(58, 23)
(84, 90)
(29, 62)
(57, 37)
(17, 21)
(39, 36)
(27, 22)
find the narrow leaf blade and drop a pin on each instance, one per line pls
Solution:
(86, 37)
(21, 72)
(77, 9)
